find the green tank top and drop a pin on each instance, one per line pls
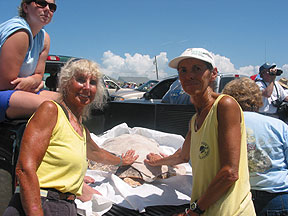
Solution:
(206, 163)
(65, 162)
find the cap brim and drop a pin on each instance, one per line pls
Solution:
(175, 62)
(272, 66)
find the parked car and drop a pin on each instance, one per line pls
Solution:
(111, 86)
(150, 112)
(127, 93)
(156, 94)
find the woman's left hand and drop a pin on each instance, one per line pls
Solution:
(129, 157)
(28, 84)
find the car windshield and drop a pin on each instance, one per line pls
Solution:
(224, 81)
(147, 86)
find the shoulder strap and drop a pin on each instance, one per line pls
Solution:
(260, 80)
(64, 109)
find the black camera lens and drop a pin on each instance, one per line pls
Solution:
(279, 72)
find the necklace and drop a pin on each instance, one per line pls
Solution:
(200, 117)
(74, 116)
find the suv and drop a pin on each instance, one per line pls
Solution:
(223, 79)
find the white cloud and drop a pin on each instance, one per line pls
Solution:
(134, 66)
(140, 65)
(224, 65)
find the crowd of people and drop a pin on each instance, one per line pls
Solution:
(239, 159)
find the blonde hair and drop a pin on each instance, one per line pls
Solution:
(83, 66)
(246, 92)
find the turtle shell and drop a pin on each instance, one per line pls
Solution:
(138, 171)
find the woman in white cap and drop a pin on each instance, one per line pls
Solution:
(215, 142)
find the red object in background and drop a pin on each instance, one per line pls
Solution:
(253, 76)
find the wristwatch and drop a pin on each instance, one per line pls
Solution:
(195, 208)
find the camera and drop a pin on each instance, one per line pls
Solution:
(276, 103)
(278, 73)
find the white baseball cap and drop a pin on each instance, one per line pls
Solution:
(197, 53)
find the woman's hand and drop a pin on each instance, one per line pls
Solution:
(129, 157)
(87, 193)
(29, 84)
(41, 86)
(153, 159)
(88, 180)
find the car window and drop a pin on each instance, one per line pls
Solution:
(224, 81)
(147, 86)
(160, 89)
(110, 85)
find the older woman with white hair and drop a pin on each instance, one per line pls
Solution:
(55, 146)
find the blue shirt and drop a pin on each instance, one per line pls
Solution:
(36, 44)
(267, 140)
(176, 94)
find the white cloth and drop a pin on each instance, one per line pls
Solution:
(175, 190)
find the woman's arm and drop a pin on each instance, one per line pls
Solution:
(34, 82)
(12, 55)
(34, 144)
(182, 155)
(95, 153)
(40, 69)
(229, 141)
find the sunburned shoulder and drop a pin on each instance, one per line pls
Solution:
(48, 107)
(227, 102)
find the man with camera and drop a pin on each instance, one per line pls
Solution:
(273, 93)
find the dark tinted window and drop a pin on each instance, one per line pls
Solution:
(224, 81)
(161, 88)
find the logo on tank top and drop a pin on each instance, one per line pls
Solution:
(203, 150)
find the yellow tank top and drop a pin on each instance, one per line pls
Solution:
(64, 164)
(205, 165)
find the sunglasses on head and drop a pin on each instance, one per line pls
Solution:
(43, 4)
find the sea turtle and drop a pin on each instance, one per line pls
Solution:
(138, 172)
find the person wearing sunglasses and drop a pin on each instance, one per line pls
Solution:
(24, 47)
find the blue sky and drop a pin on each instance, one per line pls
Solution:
(124, 36)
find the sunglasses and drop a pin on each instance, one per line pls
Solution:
(43, 4)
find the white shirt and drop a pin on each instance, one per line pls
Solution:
(268, 107)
